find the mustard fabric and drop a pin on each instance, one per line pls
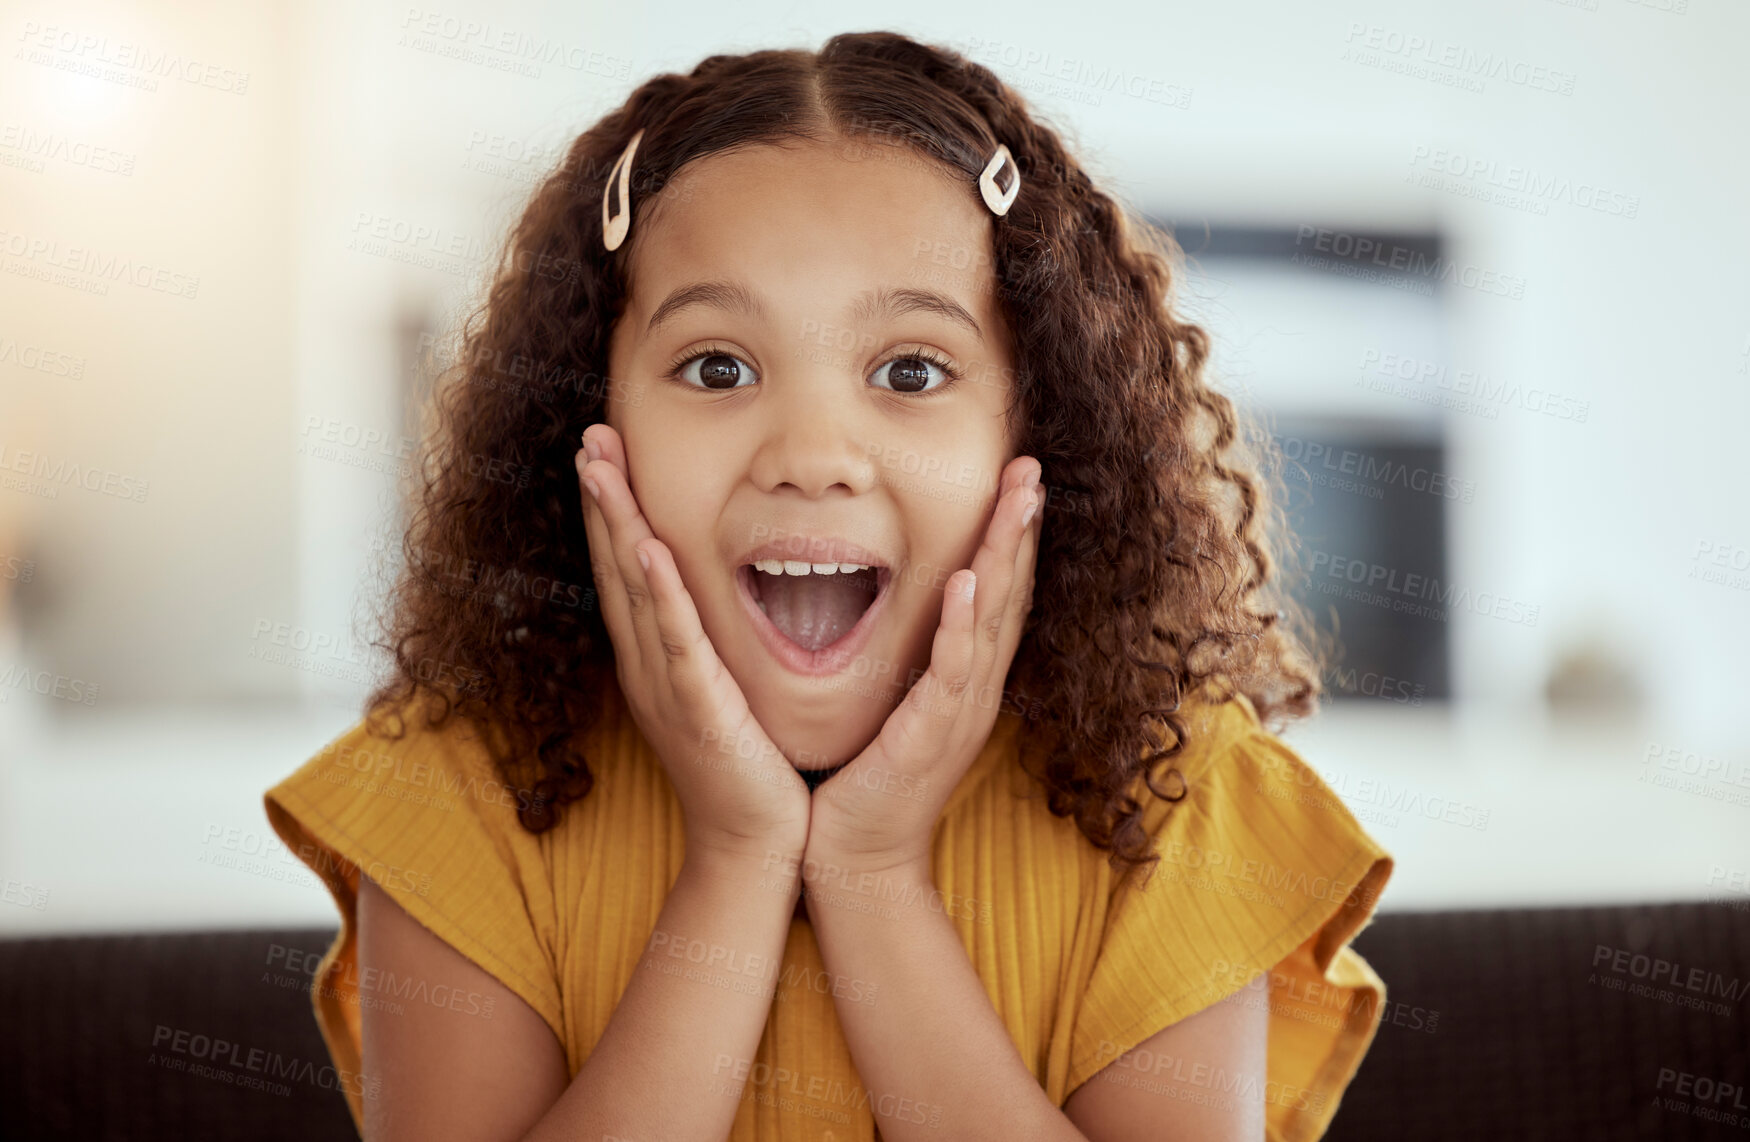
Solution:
(1263, 870)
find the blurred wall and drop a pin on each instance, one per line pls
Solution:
(149, 252)
(265, 416)
(201, 464)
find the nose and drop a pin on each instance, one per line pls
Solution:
(810, 443)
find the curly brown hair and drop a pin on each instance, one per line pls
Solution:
(1155, 577)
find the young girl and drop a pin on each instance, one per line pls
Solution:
(904, 772)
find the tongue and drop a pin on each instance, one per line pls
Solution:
(815, 610)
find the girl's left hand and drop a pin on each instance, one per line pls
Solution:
(879, 812)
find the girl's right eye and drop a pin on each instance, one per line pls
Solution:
(714, 370)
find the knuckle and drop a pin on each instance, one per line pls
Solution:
(992, 627)
(686, 698)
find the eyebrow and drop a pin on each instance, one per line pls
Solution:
(892, 303)
(733, 297)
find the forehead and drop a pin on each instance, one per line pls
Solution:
(801, 217)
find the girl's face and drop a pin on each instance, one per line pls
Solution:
(813, 368)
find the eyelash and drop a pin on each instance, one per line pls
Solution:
(952, 371)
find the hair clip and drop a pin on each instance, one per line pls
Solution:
(999, 201)
(614, 229)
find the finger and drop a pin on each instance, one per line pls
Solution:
(934, 703)
(627, 527)
(1021, 593)
(610, 446)
(994, 564)
(610, 590)
(695, 672)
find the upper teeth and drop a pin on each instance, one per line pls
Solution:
(798, 567)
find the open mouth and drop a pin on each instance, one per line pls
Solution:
(813, 605)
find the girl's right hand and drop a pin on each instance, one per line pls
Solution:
(738, 793)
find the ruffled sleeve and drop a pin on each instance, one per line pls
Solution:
(1263, 870)
(427, 818)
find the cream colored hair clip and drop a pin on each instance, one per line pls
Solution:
(999, 201)
(614, 228)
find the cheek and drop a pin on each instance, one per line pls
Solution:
(672, 496)
(681, 493)
(959, 529)
(947, 499)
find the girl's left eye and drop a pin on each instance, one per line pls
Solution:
(717, 370)
(911, 373)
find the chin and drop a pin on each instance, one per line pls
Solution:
(829, 724)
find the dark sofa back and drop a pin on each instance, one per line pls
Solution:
(1581, 1023)
(1573, 1023)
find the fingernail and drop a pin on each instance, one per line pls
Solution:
(971, 587)
(643, 559)
(1032, 508)
(595, 493)
(1032, 480)
(591, 450)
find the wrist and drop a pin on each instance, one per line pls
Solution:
(744, 860)
(829, 876)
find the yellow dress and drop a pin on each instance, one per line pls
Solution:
(1263, 869)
